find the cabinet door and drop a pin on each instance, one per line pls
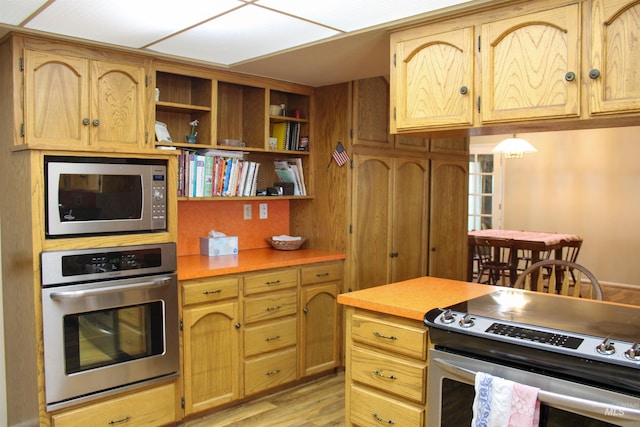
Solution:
(56, 99)
(118, 108)
(319, 325)
(615, 32)
(211, 361)
(448, 216)
(372, 213)
(432, 79)
(531, 66)
(410, 207)
(371, 113)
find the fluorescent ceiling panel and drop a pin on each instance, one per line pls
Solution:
(14, 12)
(352, 15)
(246, 33)
(132, 23)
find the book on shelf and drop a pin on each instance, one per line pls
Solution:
(208, 176)
(289, 171)
(279, 131)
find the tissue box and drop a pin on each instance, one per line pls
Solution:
(215, 246)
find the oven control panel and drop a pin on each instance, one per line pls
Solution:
(590, 347)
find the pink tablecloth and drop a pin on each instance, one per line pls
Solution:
(527, 236)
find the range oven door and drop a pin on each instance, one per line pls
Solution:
(563, 403)
(102, 336)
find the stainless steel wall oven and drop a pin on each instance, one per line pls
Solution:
(584, 356)
(110, 320)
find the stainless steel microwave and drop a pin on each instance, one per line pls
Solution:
(99, 195)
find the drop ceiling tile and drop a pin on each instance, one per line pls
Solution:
(352, 15)
(132, 23)
(14, 12)
(246, 33)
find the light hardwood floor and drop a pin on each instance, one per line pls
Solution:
(313, 404)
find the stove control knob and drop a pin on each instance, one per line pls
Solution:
(448, 317)
(606, 347)
(634, 352)
(467, 321)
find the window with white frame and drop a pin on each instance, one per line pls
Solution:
(485, 190)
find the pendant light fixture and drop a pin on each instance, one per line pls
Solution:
(514, 148)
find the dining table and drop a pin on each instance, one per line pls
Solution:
(534, 241)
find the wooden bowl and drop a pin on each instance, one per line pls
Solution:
(285, 245)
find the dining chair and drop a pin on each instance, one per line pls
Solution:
(557, 276)
(497, 263)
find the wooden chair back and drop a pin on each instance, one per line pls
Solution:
(561, 277)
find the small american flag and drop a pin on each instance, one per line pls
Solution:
(340, 155)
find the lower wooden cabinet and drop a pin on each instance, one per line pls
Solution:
(386, 370)
(152, 407)
(244, 334)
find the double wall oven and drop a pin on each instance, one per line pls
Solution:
(583, 355)
(110, 320)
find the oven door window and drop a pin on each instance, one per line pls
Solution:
(89, 197)
(112, 336)
(457, 403)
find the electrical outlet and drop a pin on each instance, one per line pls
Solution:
(247, 211)
(264, 211)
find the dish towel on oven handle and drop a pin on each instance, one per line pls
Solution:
(503, 403)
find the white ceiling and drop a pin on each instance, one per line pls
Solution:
(309, 42)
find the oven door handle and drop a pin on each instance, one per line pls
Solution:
(158, 283)
(588, 408)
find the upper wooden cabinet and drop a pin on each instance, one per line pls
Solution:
(615, 40)
(432, 79)
(531, 66)
(74, 102)
(528, 62)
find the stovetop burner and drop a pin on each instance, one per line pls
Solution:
(574, 336)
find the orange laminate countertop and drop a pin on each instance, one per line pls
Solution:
(411, 299)
(197, 266)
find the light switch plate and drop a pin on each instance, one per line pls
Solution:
(264, 211)
(247, 211)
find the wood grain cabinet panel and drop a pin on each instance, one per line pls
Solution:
(389, 335)
(370, 409)
(531, 66)
(613, 71)
(270, 370)
(148, 408)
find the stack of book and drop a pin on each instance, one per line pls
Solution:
(290, 170)
(216, 173)
(288, 135)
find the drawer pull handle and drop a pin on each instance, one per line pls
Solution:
(277, 307)
(274, 372)
(381, 420)
(277, 337)
(120, 421)
(322, 274)
(272, 282)
(381, 375)
(217, 291)
(379, 335)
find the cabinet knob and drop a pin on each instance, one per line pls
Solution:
(570, 76)
(85, 121)
(394, 254)
(594, 74)
(96, 122)
(433, 249)
(237, 325)
(305, 310)
(464, 90)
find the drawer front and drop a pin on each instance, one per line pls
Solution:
(270, 370)
(391, 336)
(370, 409)
(151, 407)
(270, 281)
(269, 336)
(209, 290)
(319, 273)
(400, 377)
(268, 307)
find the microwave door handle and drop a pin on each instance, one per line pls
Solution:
(588, 408)
(159, 283)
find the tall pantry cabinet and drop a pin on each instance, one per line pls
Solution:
(399, 206)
